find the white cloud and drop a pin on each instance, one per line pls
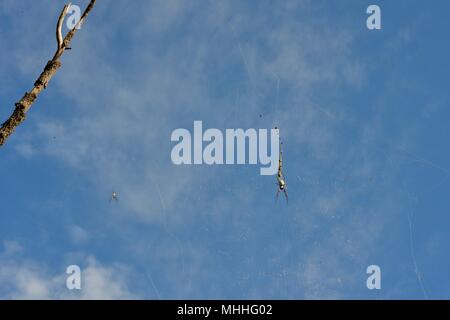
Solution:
(11, 247)
(104, 282)
(27, 279)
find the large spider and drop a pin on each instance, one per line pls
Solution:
(280, 178)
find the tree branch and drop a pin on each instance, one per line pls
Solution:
(22, 107)
(63, 14)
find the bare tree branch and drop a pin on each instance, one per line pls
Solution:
(22, 107)
(63, 14)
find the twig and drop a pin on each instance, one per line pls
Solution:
(22, 107)
(61, 18)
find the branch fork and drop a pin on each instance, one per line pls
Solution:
(52, 66)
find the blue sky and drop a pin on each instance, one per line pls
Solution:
(363, 117)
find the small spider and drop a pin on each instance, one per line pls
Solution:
(114, 197)
(281, 182)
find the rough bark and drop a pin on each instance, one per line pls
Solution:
(52, 66)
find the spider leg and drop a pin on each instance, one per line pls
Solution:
(276, 195)
(286, 194)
